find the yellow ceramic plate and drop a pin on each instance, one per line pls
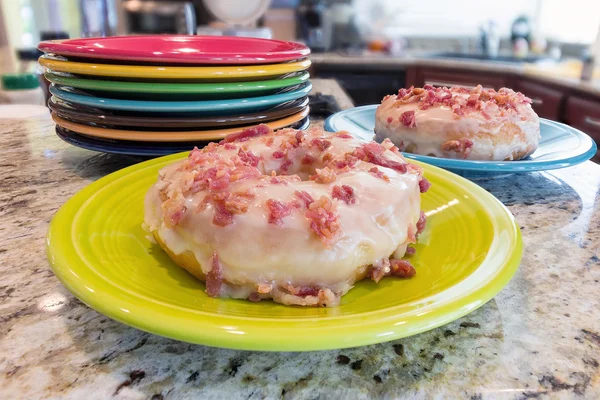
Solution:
(96, 246)
(170, 136)
(254, 72)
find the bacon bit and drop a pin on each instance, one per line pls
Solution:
(222, 216)
(424, 185)
(248, 157)
(410, 251)
(325, 175)
(327, 157)
(264, 288)
(277, 211)
(321, 144)
(408, 119)
(473, 99)
(307, 159)
(230, 146)
(299, 137)
(344, 135)
(402, 268)
(388, 145)
(278, 154)
(305, 197)
(212, 178)
(302, 291)
(285, 165)
(236, 203)
(344, 193)
(305, 291)
(389, 120)
(214, 278)
(323, 220)
(373, 153)
(411, 234)
(254, 297)
(248, 133)
(349, 161)
(421, 223)
(244, 172)
(276, 180)
(209, 148)
(379, 269)
(173, 214)
(326, 297)
(379, 174)
(220, 180)
(462, 145)
(270, 141)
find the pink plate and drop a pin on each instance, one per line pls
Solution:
(180, 49)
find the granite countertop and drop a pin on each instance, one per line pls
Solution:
(526, 70)
(538, 338)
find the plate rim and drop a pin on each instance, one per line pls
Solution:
(489, 166)
(180, 105)
(274, 335)
(172, 72)
(69, 47)
(172, 136)
(177, 88)
(101, 117)
(73, 138)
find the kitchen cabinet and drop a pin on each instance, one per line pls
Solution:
(364, 85)
(584, 113)
(449, 77)
(546, 101)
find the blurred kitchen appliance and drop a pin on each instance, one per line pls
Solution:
(312, 25)
(95, 18)
(155, 17)
(236, 18)
(521, 29)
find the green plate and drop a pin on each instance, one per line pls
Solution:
(96, 246)
(221, 89)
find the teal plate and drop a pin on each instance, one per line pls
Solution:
(560, 146)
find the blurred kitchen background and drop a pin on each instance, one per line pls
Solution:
(545, 48)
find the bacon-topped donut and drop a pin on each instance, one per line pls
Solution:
(294, 216)
(476, 124)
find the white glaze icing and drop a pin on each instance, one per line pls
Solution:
(438, 124)
(253, 251)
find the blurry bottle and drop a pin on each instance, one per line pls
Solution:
(520, 29)
(587, 67)
(21, 88)
(520, 48)
(538, 44)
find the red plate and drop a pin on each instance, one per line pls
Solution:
(180, 49)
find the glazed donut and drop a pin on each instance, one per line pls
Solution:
(476, 124)
(293, 216)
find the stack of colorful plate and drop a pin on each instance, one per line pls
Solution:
(154, 95)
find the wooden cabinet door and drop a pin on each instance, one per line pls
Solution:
(443, 77)
(546, 101)
(584, 114)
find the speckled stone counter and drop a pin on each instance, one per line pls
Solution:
(539, 338)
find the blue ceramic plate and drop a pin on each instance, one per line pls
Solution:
(213, 107)
(560, 146)
(137, 148)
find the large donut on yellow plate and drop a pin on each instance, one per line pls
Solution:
(293, 216)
